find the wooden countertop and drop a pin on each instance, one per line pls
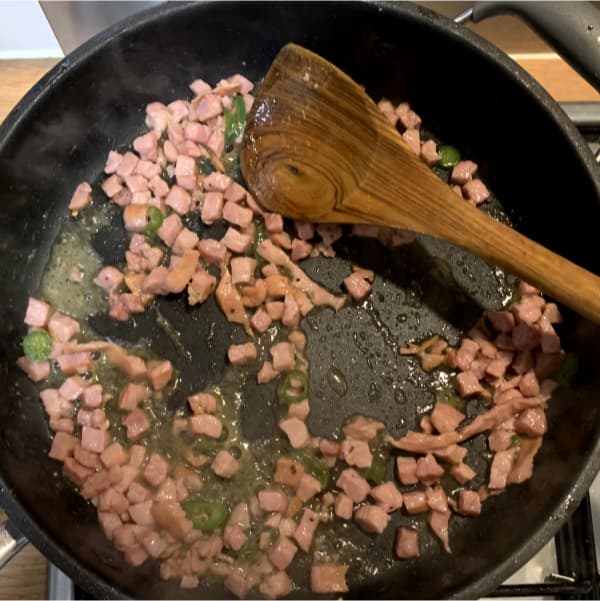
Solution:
(25, 576)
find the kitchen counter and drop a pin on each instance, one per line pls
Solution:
(25, 577)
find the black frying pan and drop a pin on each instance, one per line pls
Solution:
(468, 94)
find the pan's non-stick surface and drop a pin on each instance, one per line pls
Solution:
(536, 164)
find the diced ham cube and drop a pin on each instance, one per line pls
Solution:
(62, 446)
(114, 454)
(476, 191)
(407, 543)
(550, 342)
(328, 578)
(136, 183)
(234, 193)
(94, 440)
(109, 523)
(234, 537)
(463, 172)
(387, 496)
(462, 473)
(362, 428)
(357, 286)
(272, 500)
(112, 500)
(202, 402)
(135, 217)
(438, 522)
(528, 309)
(468, 384)
(300, 249)
(296, 431)
(428, 469)
(131, 396)
(225, 465)
(291, 311)
(413, 138)
(62, 328)
(178, 197)
(242, 270)
(415, 502)
(81, 197)
(206, 425)
(529, 384)
(159, 373)
(283, 355)
(212, 207)
(137, 422)
(112, 162)
(212, 251)
(75, 472)
(407, 117)
(141, 513)
(200, 87)
(170, 228)
(299, 410)
(309, 487)
(469, 502)
(92, 396)
(236, 241)
(356, 452)
(185, 173)
(260, 320)
(445, 418)
(156, 470)
(266, 373)
(501, 466)
(209, 107)
(525, 336)
(503, 321)
(216, 181)
(201, 286)
(72, 388)
(429, 153)
(305, 531)
(237, 215)
(531, 422)
(276, 586)
(147, 146)
(274, 309)
(355, 486)
(282, 553)
(406, 468)
(240, 354)
(109, 278)
(466, 354)
(38, 313)
(343, 506)
(185, 240)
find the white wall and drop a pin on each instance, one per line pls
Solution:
(25, 32)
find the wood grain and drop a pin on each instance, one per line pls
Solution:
(25, 576)
(317, 148)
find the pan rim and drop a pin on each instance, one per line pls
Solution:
(94, 583)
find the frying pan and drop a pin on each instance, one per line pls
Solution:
(469, 94)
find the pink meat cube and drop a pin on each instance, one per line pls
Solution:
(245, 85)
(240, 354)
(69, 363)
(128, 164)
(136, 183)
(428, 469)
(415, 502)
(158, 186)
(242, 270)
(291, 312)
(362, 428)
(305, 531)
(413, 138)
(225, 465)
(159, 373)
(466, 354)
(94, 440)
(462, 473)
(305, 231)
(276, 586)
(112, 162)
(185, 173)
(197, 132)
(147, 146)
(137, 422)
(525, 336)
(266, 373)
(178, 198)
(235, 193)
(282, 553)
(234, 537)
(202, 402)
(72, 388)
(114, 454)
(356, 452)
(387, 496)
(272, 500)
(212, 207)
(147, 169)
(200, 87)
(407, 117)
(531, 422)
(528, 309)
(216, 181)
(468, 384)
(283, 355)
(529, 384)
(296, 431)
(92, 396)
(132, 395)
(550, 342)
(216, 142)
(299, 410)
(62, 328)
(429, 153)
(75, 472)
(445, 418)
(186, 240)
(308, 487)
(109, 523)
(476, 191)
(141, 513)
(62, 446)
(81, 197)
(355, 486)
(38, 313)
(469, 503)
(209, 107)
(156, 470)
(358, 287)
(112, 500)
(552, 313)
(463, 172)
(236, 241)
(500, 440)
(328, 578)
(260, 320)
(170, 228)
(407, 543)
(109, 278)
(371, 518)
(206, 425)
(273, 223)
(436, 499)
(212, 251)
(137, 493)
(237, 215)
(300, 249)
(343, 506)
(503, 321)
(274, 309)
(406, 468)
(501, 466)
(201, 286)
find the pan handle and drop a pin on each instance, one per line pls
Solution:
(11, 542)
(571, 28)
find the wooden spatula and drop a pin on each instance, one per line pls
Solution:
(317, 148)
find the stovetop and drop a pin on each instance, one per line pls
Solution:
(567, 567)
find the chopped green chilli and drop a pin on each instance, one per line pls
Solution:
(314, 466)
(155, 219)
(449, 156)
(205, 515)
(235, 119)
(294, 388)
(37, 345)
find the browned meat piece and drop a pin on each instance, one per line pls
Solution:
(523, 465)
(445, 418)
(328, 578)
(438, 522)
(407, 543)
(230, 301)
